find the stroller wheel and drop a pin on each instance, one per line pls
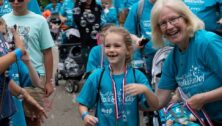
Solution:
(71, 86)
(75, 87)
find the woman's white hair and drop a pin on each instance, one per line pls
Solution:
(193, 22)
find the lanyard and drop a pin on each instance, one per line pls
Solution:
(115, 93)
(184, 97)
(198, 117)
(165, 110)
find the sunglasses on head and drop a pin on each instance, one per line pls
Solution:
(17, 0)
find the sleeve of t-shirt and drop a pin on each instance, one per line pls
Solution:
(130, 23)
(213, 54)
(45, 38)
(88, 93)
(167, 80)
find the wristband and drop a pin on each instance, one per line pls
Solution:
(84, 114)
(18, 53)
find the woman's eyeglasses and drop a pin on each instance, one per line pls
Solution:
(17, 1)
(172, 21)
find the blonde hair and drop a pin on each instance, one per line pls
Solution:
(193, 22)
(126, 39)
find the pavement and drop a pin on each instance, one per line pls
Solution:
(64, 111)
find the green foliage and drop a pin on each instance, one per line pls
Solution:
(43, 2)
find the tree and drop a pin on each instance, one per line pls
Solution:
(43, 3)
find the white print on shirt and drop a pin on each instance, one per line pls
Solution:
(108, 98)
(146, 24)
(195, 1)
(192, 79)
(23, 32)
(196, 4)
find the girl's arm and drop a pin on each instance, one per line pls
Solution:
(88, 119)
(6, 61)
(136, 89)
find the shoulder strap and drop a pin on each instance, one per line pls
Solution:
(138, 16)
(100, 78)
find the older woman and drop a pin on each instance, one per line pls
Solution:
(195, 64)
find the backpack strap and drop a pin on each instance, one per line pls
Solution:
(100, 79)
(138, 16)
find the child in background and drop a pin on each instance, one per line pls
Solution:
(109, 13)
(121, 91)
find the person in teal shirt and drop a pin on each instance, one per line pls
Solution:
(195, 63)
(121, 90)
(66, 12)
(5, 8)
(53, 7)
(96, 58)
(145, 32)
(210, 11)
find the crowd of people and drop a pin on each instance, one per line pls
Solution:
(112, 35)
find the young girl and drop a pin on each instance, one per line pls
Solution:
(120, 91)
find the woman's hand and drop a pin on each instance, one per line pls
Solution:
(197, 101)
(135, 89)
(36, 110)
(90, 120)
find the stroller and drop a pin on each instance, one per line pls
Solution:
(70, 66)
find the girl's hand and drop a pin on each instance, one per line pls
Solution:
(90, 120)
(37, 111)
(196, 102)
(135, 89)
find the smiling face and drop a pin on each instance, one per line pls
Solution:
(172, 25)
(115, 49)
